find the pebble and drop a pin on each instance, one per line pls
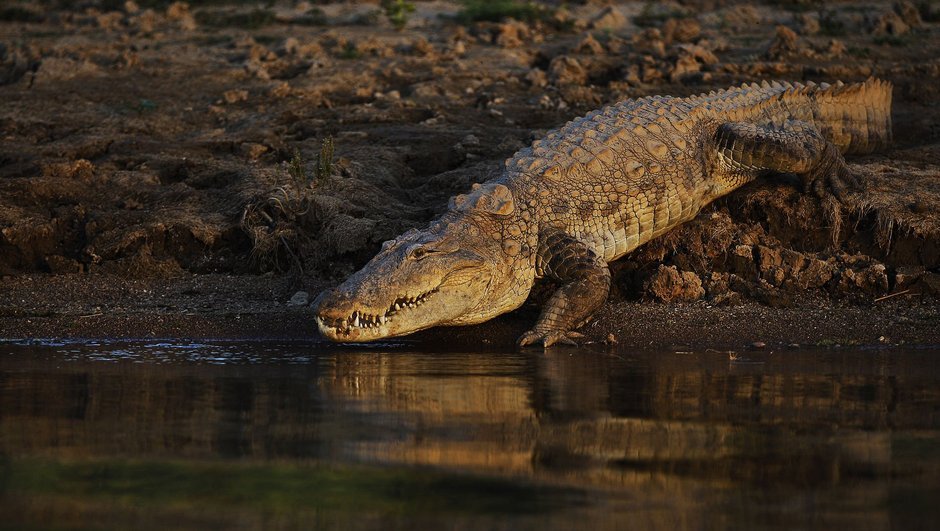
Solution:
(299, 299)
(758, 344)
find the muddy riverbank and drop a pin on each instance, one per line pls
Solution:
(179, 170)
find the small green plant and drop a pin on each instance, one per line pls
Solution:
(295, 168)
(325, 159)
(397, 12)
(498, 10)
(350, 51)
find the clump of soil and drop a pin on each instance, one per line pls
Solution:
(166, 139)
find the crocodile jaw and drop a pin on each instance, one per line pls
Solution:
(365, 323)
(365, 308)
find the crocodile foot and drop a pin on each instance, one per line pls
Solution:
(839, 184)
(549, 338)
(833, 177)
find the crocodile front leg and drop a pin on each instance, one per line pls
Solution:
(795, 147)
(585, 282)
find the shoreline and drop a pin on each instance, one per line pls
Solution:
(221, 307)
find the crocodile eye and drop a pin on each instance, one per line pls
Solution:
(417, 252)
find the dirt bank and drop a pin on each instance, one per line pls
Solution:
(159, 145)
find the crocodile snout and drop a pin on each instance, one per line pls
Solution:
(333, 304)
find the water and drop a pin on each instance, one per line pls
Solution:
(165, 435)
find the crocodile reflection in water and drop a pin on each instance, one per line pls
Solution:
(663, 428)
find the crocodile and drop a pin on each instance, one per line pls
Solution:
(596, 189)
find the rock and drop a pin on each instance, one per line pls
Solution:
(685, 66)
(470, 140)
(808, 23)
(681, 30)
(179, 12)
(650, 41)
(111, 20)
(651, 72)
(565, 70)
(146, 21)
(890, 23)
(815, 274)
(419, 46)
(908, 13)
(836, 48)
(669, 284)
(280, 90)
(906, 276)
(758, 344)
(742, 260)
(252, 150)
(876, 277)
(291, 45)
(589, 45)
(301, 298)
(690, 61)
(235, 95)
(768, 258)
(610, 18)
(700, 53)
(784, 44)
(871, 280)
(618, 46)
(718, 284)
(536, 77)
(511, 34)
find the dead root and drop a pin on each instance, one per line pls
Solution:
(833, 212)
(275, 223)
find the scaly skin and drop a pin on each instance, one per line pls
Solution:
(594, 190)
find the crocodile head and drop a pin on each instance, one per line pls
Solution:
(456, 271)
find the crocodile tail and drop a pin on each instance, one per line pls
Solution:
(855, 117)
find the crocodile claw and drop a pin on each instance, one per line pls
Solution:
(837, 183)
(547, 339)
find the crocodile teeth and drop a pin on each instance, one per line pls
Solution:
(355, 321)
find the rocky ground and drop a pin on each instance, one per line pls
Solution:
(178, 170)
